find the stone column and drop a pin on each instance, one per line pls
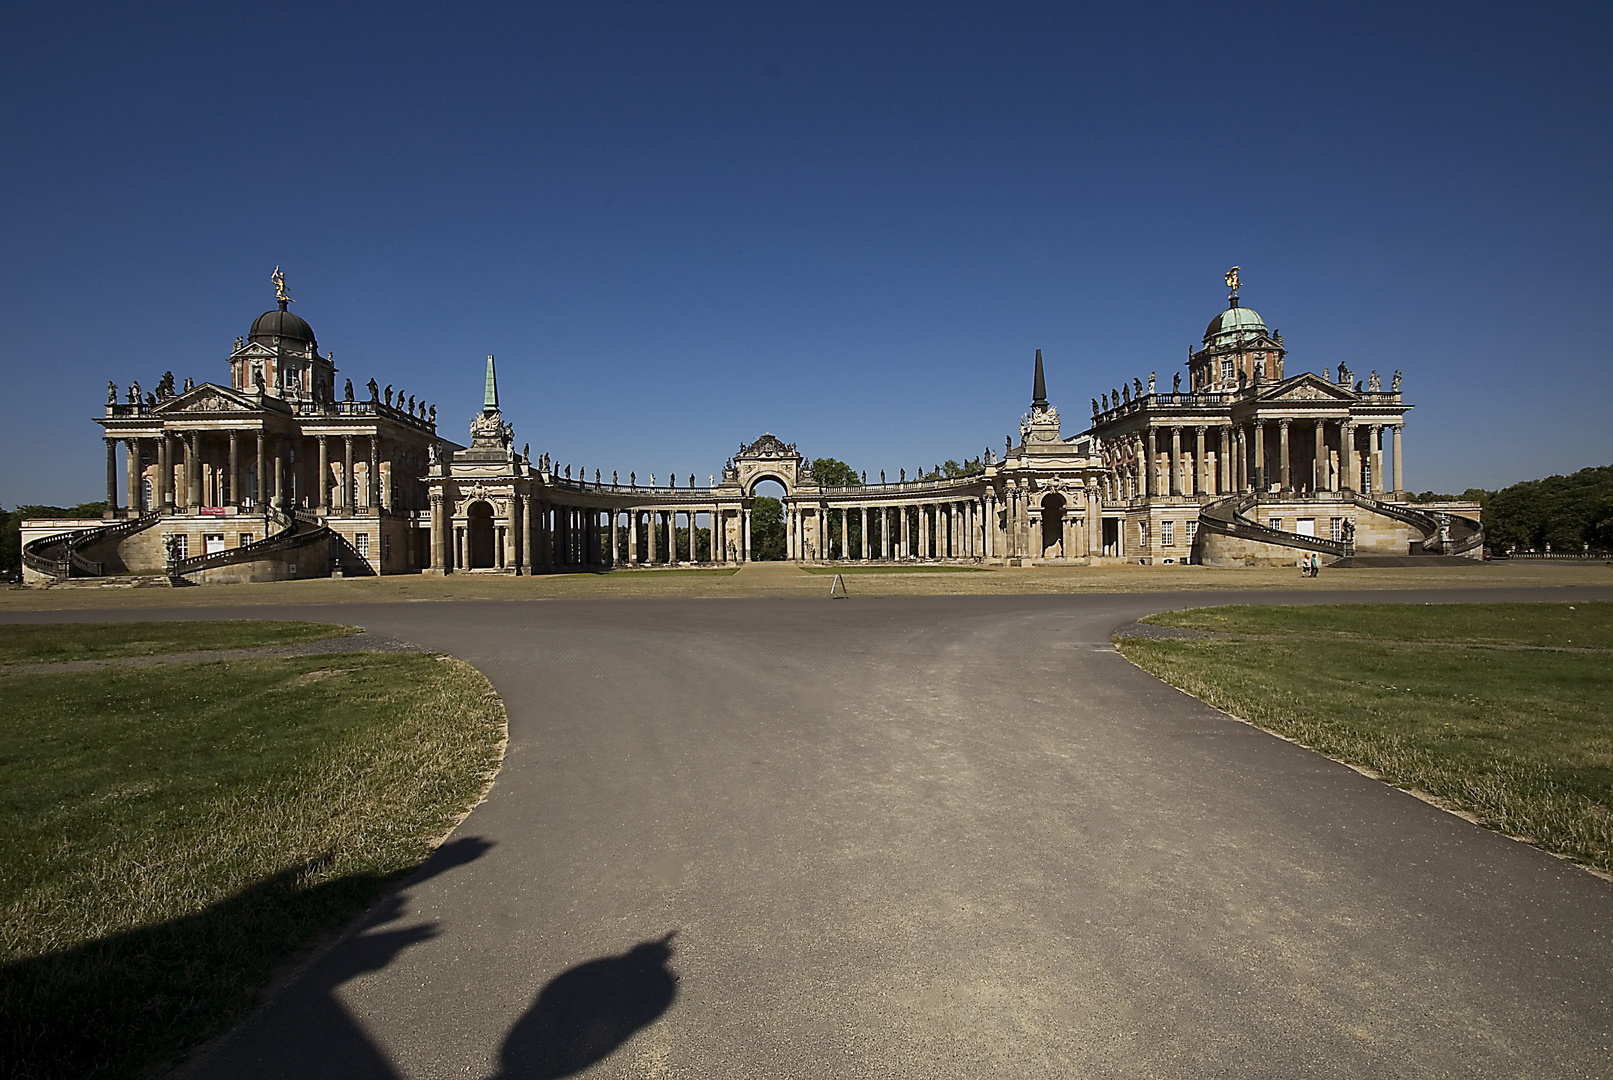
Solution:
(1400, 482)
(131, 468)
(234, 498)
(1240, 460)
(1319, 459)
(1375, 447)
(1347, 456)
(526, 534)
(372, 483)
(1201, 463)
(509, 555)
(1150, 479)
(111, 508)
(344, 500)
(1223, 478)
(324, 474)
(279, 475)
(261, 494)
(1284, 481)
(1260, 456)
(744, 533)
(1176, 461)
(439, 544)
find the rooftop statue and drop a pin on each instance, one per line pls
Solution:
(1232, 281)
(111, 392)
(1374, 384)
(1176, 383)
(1394, 384)
(347, 391)
(1151, 382)
(280, 293)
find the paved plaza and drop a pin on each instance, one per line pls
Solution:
(930, 837)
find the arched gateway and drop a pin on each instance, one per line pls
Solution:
(281, 473)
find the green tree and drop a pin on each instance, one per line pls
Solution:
(767, 529)
(832, 472)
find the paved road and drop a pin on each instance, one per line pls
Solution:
(932, 838)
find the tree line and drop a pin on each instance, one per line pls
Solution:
(1571, 513)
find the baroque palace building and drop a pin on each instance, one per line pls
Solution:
(278, 475)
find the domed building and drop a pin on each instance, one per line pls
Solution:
(281, 473)
(278, 474)
(1251, 466)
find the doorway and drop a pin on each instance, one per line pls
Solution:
(480, 530)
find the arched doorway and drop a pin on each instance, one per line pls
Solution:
(480, 536)
(767, 520)
(1053, 526)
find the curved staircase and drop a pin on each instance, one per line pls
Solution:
(1444, 535)
(59, 557)
(297, 530)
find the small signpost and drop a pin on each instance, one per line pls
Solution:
(837, 588)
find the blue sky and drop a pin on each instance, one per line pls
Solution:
(681, 225)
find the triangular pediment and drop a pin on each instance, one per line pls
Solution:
(209, 398)
(1307, 386)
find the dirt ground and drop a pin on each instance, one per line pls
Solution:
(782, 579)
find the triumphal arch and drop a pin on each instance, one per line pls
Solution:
(279, 473)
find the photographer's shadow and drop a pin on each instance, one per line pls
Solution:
(584, 1014)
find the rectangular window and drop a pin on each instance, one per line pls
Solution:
(1226, 371)
(180, 545)
(1275, 523)
(1167, 533)
(361, 541)
(1305, 526)
(1335, 528)
(213, 543)
(246, 538)
(1192, 531)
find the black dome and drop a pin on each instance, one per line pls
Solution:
(282, 324)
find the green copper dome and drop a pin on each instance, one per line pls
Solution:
(1232, 324)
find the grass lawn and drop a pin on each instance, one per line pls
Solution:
(170, 835)
(896, 569)
(1498, 710)
(92, 641)
(695, 571)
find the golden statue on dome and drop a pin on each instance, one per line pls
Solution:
(1232, 280)
(279, 280)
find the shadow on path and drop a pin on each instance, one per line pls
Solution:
(584, 1014)
(140, 998)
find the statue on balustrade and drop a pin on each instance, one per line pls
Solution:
(1373, 383)
(111, 393)
(1394, 384)
(1094, 406)
(1176, 383)
(134, 393)
(1125, 393)
(388, 397)
(1151, 375)
(347, 391)
(375, 391)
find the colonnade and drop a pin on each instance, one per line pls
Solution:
(1258, 455)
(244, 468)
(920, 529)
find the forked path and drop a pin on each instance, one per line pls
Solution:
(931, 838)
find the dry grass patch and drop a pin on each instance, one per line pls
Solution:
(1491, 708)
(170, 835)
